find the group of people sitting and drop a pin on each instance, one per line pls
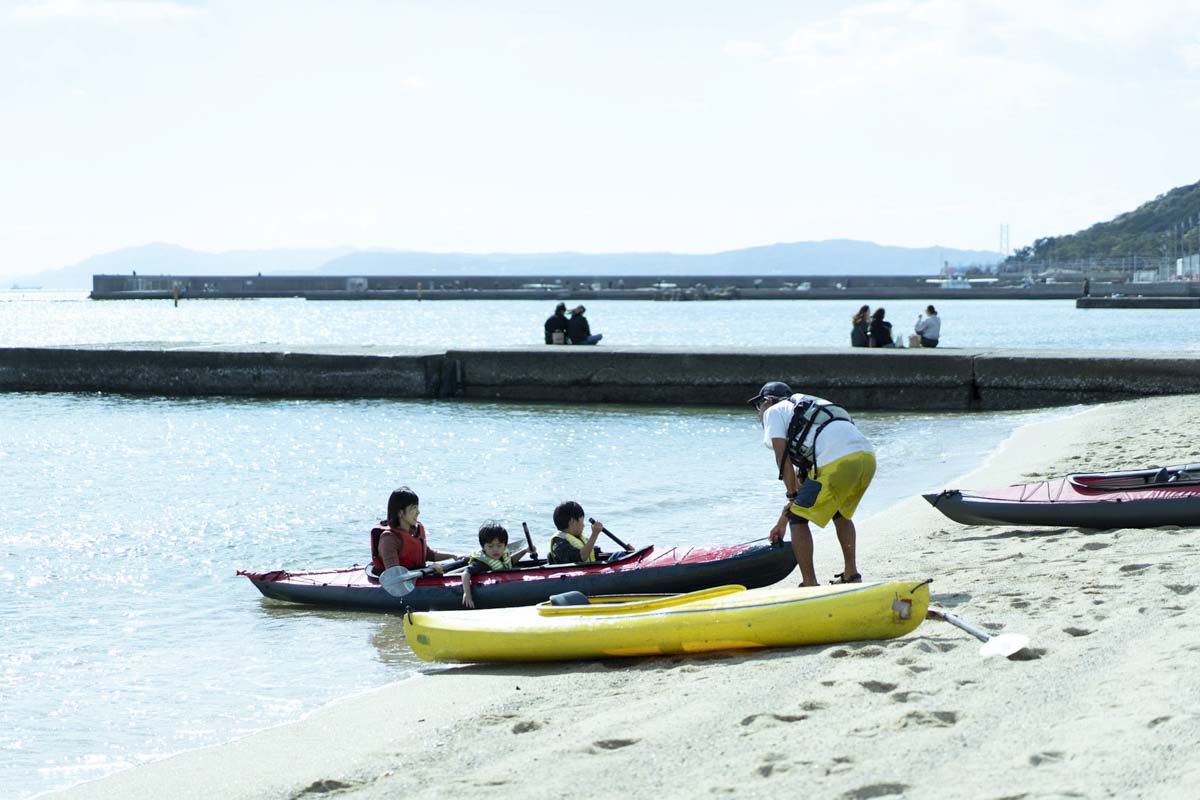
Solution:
(400, 541)
(561, 330)
(870, 329)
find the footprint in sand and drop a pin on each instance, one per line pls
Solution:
(865, 652)
(876, 790)
(879, 687)
(1047, 757)
(772, 762)
(1135, 567)
(1077, 631)
(614, 744)
(525, 726)
(904, 697)
(750, 720)
(321, 787)
(1178, 588)
(936, 719)
(1028, 654)
(1095, 546)
(495, 719)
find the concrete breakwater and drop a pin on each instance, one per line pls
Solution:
(574, 288)
(903, 380)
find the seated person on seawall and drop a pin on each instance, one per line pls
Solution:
(568, 545)
(860, 323)
(556, 325)
(880, 332)
(929, 327)
(492, 556)
(399, 540)
(578, 330)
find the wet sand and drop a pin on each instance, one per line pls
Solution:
(1104, 702)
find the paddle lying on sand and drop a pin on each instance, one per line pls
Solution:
(611, 535)
(1004, 644)
(398, 581)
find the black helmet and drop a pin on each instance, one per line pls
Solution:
(771, 389)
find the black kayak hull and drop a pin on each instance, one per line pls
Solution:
(751, 565)
(1101, 514)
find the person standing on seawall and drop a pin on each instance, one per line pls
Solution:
(826, 465)
(929, 327)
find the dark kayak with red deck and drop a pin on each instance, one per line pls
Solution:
(1135, 499)
(648, 570)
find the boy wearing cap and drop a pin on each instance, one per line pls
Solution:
(826, 464)
(578, 330)
(556, 325)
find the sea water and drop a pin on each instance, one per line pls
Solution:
(33, 319)
(125, 634)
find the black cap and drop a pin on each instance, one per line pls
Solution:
(771, 389)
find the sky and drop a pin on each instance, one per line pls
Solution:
(690, 126)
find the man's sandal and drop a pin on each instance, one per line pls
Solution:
(841, 577)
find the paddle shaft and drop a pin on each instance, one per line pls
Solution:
(528, 538)
(611, 535)
(937, 613)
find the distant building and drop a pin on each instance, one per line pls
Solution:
(1188, 268)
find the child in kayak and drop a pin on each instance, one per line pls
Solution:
(569, 546)
(492, 556)
(399, 540)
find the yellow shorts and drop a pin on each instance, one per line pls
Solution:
(843, 483)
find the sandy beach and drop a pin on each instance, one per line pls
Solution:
(1104, 703)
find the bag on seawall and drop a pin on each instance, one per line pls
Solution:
(914, 340)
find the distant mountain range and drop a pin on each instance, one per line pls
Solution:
(832, 257)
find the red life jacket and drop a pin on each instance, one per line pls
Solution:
(413, 549)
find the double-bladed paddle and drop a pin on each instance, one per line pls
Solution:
(398, 581)
(529, 540)
(1004, 644)
(611, 535)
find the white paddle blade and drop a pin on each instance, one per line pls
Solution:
(1004, 645)
(397, 581)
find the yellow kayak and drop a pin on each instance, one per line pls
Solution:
(721, 618)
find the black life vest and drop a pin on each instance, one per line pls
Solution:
(810, 414)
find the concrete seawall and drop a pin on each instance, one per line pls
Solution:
(926, 380)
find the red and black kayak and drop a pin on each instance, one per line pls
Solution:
(644, 571)
(1134, 499)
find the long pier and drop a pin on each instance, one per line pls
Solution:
(900, 380)
(570, 287)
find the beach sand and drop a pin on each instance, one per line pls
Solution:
(1105, 701)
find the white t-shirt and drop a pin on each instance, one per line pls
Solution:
(837, 439)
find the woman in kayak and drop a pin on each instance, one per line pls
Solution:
(399, 540)
(492, 555)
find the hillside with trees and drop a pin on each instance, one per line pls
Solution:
(1162, 230)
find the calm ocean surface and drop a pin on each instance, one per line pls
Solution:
(125, 634)
(29, 319)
